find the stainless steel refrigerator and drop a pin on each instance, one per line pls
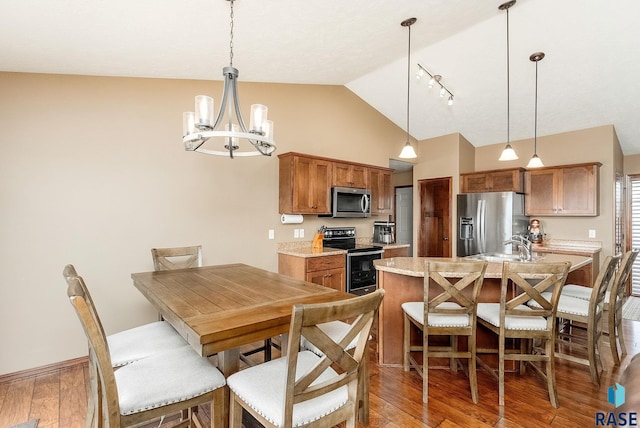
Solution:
(486, 220)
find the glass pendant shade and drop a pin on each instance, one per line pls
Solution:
(535, 162)
(508, 154)
(408, 152)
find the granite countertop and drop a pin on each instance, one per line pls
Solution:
(303, 248)
(414, 266)
(589, 247)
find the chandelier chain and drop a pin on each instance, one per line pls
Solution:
(231, 36)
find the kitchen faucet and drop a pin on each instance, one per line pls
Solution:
(524, 247)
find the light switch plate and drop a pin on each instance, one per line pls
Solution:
(302, 233)
(272, 234)
(592, 233)
(296, 233)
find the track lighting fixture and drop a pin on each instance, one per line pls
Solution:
(435, 79)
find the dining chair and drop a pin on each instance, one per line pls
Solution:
(336, 330)
(303, 388)
(451, 291)
(172, 258)
(588, 314)
(513, 319)
(135, 343)
(177, 257)
(149, 388)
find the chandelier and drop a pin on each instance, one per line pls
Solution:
(227, 135)
(535, 161)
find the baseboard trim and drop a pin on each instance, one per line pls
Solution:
(43, 370)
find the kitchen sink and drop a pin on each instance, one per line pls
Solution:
(499, 257)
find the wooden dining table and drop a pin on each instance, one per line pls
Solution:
(217, 309)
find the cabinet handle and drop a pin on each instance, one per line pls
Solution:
(329, 275)
(314, 206)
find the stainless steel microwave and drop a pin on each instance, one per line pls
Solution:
(350, 202)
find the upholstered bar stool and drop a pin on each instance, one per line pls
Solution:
(513, 319)
(449, 311)
(588, 313)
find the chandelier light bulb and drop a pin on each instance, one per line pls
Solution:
(431, 82)
(450, 102)
(442, 92)
(420, 73)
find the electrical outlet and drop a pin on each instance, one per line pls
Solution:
(302, 233)
(296, 233)
(272, 234)
(592, 233)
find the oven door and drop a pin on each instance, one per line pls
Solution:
(361, 274)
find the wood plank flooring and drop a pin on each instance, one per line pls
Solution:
(59, 398)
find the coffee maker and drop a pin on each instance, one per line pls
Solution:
(384, 232)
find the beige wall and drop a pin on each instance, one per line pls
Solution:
(94, 173)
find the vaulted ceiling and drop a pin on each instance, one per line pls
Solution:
(587, 79)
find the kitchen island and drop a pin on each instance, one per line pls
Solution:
(402, 278)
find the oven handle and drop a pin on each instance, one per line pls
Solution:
(366, 253)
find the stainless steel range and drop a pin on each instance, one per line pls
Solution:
(361, 274)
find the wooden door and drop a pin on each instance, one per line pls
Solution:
(434, 236)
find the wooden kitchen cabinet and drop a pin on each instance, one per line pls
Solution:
(395, 252)
(305, 185)
(498, 180)
(350, 175)
(328, 271)
(569, 190)
(381, 191)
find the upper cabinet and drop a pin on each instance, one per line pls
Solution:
(305, 185)
(349, 175)
(499, 180)
(569, 190)
(381, 191)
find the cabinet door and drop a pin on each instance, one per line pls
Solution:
(474, 183)
(506, 181)
(311, 186)
(331, 278)
(395, 252)
(348, 175)
(381, 191)
(578, 194)
(541, 192)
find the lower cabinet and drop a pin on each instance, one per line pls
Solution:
(395, 252)
(328, 271)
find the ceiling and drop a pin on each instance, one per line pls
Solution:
(587, 79)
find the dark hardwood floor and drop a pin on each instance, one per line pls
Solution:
(59, 398)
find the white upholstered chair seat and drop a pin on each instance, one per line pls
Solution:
(262, 387)
(566, 304)
(416, 311)
(490, 312)
(170, 377)
(141, 342)
(335, 330)
(577, 291)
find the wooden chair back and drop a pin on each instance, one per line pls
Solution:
(176, 257)
(348, 364)
(618, 287)
(544, 277)
(69, 272)
(604, 282)
(98, 350)
(452, 289)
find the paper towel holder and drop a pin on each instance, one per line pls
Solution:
(291, 218)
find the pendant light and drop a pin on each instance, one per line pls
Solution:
(535, 161)
(508, 153)
(229, 131)
(408, 151)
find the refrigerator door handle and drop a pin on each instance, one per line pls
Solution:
(482, 227)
